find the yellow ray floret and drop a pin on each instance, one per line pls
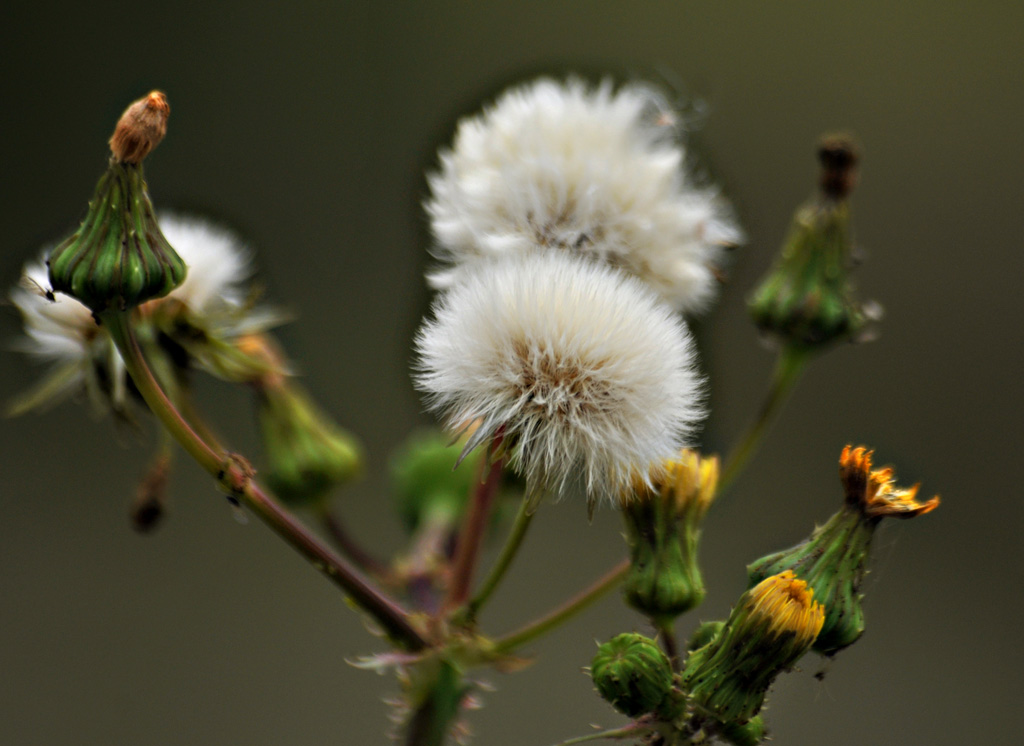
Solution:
(875, 492)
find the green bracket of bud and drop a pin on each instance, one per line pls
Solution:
(428, 487)
(632, 673)
(806, 298)
(307, 453)
(663, 532)
(118, 258)
(832, 562)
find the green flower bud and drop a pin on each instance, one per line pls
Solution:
(632, 673)
(770, 628)
(427, 486)
(806, 298)
(834, 559)
(749, 733)
(663, 530)
(119, 258)
(307, 454)
(705, 633)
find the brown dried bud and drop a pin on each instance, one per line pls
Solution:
(838, 155)
(141, 128)
(151, 497)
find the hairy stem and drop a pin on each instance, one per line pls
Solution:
(788, 368)
(508, 553)
(230, 472)
(563, 613)
(348, 545)
(467, 548)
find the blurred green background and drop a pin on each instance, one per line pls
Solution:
(308, 127)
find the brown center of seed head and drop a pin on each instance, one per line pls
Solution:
(141, 128)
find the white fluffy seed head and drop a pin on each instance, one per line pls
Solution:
(61, 329)
(589, 170)
(218, 263)
(589, 376)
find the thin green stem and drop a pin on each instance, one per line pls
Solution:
(667, 635)
(563, 613)
(230, 472)
(508, 553)
(630, 731)
(790, 365)
(471, 536)
(348, 545)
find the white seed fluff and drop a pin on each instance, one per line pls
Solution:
(218, 263)
(588, 374)
(591, 170)
(63, 331)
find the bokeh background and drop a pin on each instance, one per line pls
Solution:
(308, 126)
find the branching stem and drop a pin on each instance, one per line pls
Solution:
(393, 618)
(563, 613)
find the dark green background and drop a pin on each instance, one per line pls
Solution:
(308, 127)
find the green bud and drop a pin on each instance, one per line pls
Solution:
(427, 486)
(749, 733)
(663, 530)
(307, 454)
(119, 258)
(833, 560)
(771, 627)
(806, 299)
(705, 633)
(632, 673)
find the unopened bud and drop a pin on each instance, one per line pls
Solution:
(806, 299)
(307, 454)
(632, 673)
(834, 559)
(141, 128)
(663, 531)
(119, 258)
(771, 627)
(427, 486)
(150, 501)
(749, 733)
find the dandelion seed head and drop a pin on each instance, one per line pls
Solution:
(585, 371)
(589, 170)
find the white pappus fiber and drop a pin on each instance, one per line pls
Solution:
(587, 373)
(589, 170)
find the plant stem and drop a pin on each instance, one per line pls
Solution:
(349, 546)
(788, 368)
(230, 473)
(631, 730)
(564, 612)
(508, 553)
(667, 635)
(431, 722)
(467, 548)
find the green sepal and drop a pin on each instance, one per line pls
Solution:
(307, 453)
(118, 258)
(664, 579)
(632, 673)
(833, 562)
(749, 733)
(806, 298)
(426, 482)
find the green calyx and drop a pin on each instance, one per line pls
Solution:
(832, 562)
(632, 673)
(806, 299)
(664, 579)
(118, 258)
(769, 629)
(749, 733)
(427, 486)
(307, 454)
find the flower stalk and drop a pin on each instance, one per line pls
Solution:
(233, 476)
